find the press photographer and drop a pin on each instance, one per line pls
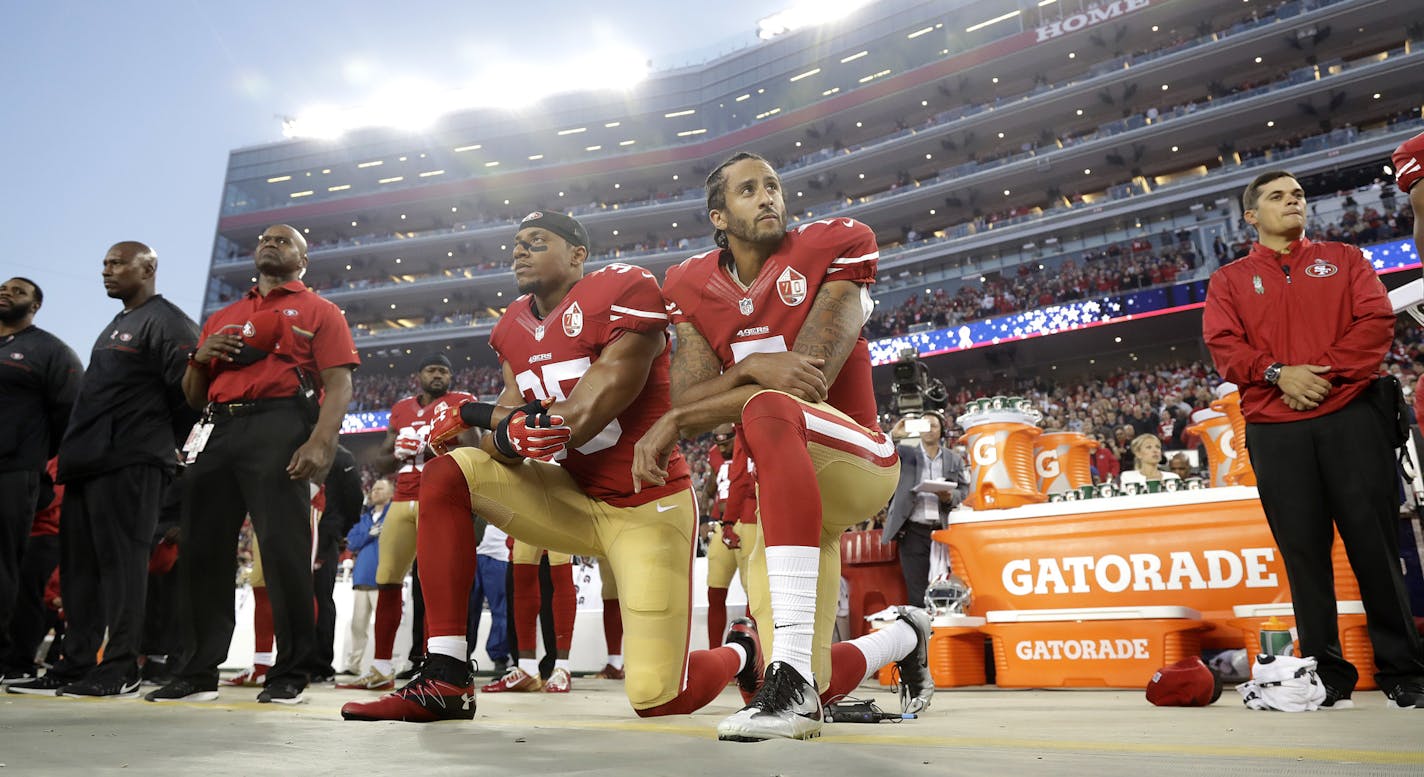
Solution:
(933, 477)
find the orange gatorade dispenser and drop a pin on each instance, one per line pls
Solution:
(1062, 462)
(999, 434)
(1229, 403)
(1215, 431)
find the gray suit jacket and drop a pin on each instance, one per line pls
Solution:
(906, 501)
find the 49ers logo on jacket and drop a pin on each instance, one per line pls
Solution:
(1321, 269)
(791, 286)
(573, 320)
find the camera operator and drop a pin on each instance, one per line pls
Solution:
(921, 502)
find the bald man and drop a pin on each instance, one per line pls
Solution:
(260, 366)
(115, 461)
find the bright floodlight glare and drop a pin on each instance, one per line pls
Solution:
(806, 14)
(412, 105)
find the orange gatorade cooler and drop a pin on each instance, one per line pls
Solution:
(1062, 462)
(1114, 647)
(1000, 441)
(1355, 642)
(956, 652)
(1215, 431)
(1229, 403)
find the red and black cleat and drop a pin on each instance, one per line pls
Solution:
(743, 631)
(435, 693)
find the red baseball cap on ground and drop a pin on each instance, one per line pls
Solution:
(1187, 683)
(261, 334)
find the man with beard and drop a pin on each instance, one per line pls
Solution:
(403, 452)
(260, 366)
(769, 336)
(116, 462)
(39, 381)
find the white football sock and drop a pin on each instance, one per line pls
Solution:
(791, 572)
(741, 655)
(530, 666)
(887, 645)
(453, 647)
(561, 663)
(263, 659)
(382, 665)
(615, 661)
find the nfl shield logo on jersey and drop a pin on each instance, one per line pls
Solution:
(791, 285)
(573, 320)
(745, 305)
(539, 332)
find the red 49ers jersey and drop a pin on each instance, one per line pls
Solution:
(722, 476)
(409, 418)
(1409, 162)
(767, 316)
(548, 357)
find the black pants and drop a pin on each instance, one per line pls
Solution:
(915, 546)
(31, 620)
(417, 615)
(1341, 467)
(160, 620)
(18, 491)
(242, 471)
(105, 537)
(324, 586)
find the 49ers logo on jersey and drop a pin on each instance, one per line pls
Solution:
(573, 320)
(1321, 269)
(791, 286)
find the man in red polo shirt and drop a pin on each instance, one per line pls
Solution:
(260, 365)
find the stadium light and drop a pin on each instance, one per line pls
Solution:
(806, 14)
(413, 105)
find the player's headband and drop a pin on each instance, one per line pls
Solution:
(566, 227)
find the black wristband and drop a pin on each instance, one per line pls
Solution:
(477, 414)
(501, 439)
(501, 432)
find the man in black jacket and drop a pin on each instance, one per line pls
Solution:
(343, 510)
(39, 379)
(115, 462)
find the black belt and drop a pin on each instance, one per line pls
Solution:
(243, 407)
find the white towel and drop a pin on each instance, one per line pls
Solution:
(1283, 683)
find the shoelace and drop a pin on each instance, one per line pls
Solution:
(779, 692)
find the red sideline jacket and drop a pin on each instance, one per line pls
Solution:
(1314, 303)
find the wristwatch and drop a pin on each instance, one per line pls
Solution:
(1273, 373)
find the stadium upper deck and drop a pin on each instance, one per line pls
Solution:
(1063, 127)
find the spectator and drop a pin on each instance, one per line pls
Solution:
(362, 540)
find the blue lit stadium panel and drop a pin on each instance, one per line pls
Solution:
(1386, 257)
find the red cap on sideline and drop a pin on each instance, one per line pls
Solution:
(1187, 683)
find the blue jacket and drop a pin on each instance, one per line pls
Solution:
(366, 546)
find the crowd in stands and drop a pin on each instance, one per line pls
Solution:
(1096, 273)
(1160, 400)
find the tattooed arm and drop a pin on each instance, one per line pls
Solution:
(828, 334)
(701, 376)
